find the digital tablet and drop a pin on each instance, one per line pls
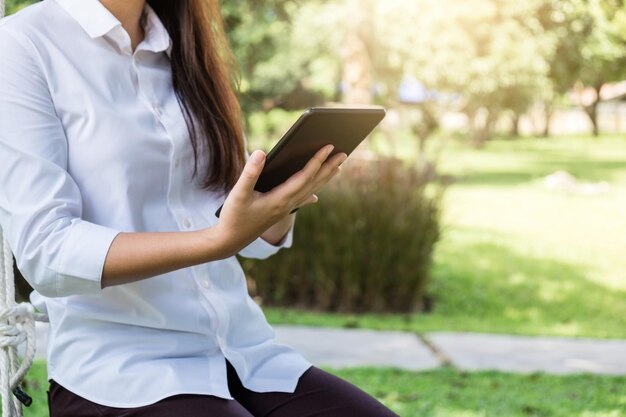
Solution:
(345, 128)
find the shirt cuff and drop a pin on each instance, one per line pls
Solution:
(261, 249)
(81, 261)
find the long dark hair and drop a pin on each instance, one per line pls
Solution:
(204, 73)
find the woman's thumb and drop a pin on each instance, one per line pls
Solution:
(251, 171)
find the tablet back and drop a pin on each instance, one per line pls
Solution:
(345, 128)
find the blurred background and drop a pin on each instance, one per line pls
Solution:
(491, 200)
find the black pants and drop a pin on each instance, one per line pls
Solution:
(318, 394)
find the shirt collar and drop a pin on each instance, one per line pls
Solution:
(155, 32)
(98, 21)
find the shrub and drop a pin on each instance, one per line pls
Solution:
(365, 246)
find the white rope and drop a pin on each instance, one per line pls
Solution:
(17, 326)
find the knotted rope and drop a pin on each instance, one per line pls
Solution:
(17, 326)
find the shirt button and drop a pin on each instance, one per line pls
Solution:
(220, 341)
(157, 109)
(205, 283)
(177, 163)
(187, 222)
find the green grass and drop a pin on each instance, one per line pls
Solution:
(514, 256)
(450, 393)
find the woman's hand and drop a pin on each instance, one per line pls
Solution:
(247, 213)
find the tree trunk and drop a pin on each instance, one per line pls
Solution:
(548, 112)
(515, 125)
(427, 125)
(592, 111)
(482, 134)
(480, 137)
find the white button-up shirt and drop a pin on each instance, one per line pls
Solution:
(92, 143)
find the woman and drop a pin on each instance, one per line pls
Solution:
(105, 108)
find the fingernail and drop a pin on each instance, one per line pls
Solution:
(328, 151)
(257, 156)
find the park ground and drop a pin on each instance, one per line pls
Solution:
(516, 258)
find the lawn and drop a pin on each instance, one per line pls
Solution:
(514, 256)
(450, 393)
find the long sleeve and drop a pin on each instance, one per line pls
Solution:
(58, 252)
(262, 249)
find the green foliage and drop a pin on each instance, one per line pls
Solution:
(604, 52)
(498, 56)
(281, 53)
(586, 47)
(566, 28)
(12, 6)
(481, 50)
(365, 246)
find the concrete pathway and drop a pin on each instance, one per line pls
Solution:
(552, 355)
(338, 348)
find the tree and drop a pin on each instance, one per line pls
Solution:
(282, 64)
(587, 41)
(564, 27)
(481, 50)
(604, 52)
